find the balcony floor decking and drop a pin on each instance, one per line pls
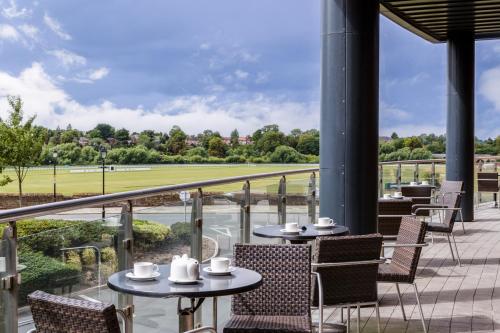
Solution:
(454, 299)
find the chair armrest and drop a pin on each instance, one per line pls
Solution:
(441, 208)
(346, 263)
(202, 329)
(395, 215)
(404, 245)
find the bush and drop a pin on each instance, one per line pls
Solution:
(196, 159)
(149, 234)
(73, 260)
(259, 160)
(235, 159)
(88, 257)
(285, 154)
(197, 151)
(181, 232)
(215, 160)
(420, 154)
(44, 273)
(108, 254)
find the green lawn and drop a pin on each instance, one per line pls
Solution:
(40, 180)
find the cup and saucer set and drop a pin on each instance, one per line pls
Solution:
(144, 271)
(219, 266)
(291, 228)
(324, 223)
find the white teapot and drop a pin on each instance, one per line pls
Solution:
(184, 268)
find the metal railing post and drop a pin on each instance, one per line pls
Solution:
(125, 248)
(282, 200)
(381, 180)
(245, 214)
(398, 180)
(416, 173)
(433, 174)
(197, 226)
(311, 199)
(10, 280)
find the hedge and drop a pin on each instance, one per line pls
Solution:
(149, 234)
(44, 273)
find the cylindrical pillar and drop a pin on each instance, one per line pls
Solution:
(460, 118)
(349, 113)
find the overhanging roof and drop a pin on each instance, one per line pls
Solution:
(434, 20)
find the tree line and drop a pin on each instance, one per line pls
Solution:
(23, 145)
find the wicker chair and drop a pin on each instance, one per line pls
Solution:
(390, 212)
(403, 266)
(448, 206)
(421, 194)
(283, 302)
(347, 268)
(488, 182)
(57, 314)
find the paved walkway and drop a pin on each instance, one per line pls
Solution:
(454, 299)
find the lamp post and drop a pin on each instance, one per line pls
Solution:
(103, 152)
(54, 155)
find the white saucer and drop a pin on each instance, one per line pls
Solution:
(171, 279)
(209, 271)
(289, 232)
(331, 225)
(401, 197)
(131, 276)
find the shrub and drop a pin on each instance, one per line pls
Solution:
(149, 234)
(88, 257)
(181, 232)
(197, 151)
(259, 160)
(108, 254)
(215, 160)
(285, 154)
(73, 260)
(235, 159)
(420, 154)
(44, 273)
(195, 159)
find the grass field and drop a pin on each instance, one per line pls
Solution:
(40, 180)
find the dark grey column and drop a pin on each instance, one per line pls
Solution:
(349, 113)
(460, 121)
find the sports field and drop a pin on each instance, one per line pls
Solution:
(89, 179)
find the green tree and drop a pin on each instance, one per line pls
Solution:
(394, 136)
(308, 144)
(420, 154)
(70, 135)
(235, 138)
(197, 151)
(285, 154)
(217, 147)
(497, 144)
(271, 138)
(122, 136)
(413, 142)
(103, 131)
(20, 143)
(176, 143)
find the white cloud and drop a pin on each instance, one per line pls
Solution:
(205, 46)
(54, 107)
(56, 27)
(8, 32)
(99, 73)
(11, 11)
(489, 86)
(262, 77)
(391, 112)
(242, 75)
(29, 31)
(67, 58)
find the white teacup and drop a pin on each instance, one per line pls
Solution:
(413, 183)
(292, 227)
(145, 269)
(324, 221)
(387, 196)
(425, 182)
(220, 264)
(398, 194)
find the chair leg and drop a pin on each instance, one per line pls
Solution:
(456, 250)
(401, 302)
(432, 237)
(342, 314)
(420, 307)
(348, 319)
(462, 220)
(359, 319)
(451, 248)
(377, 310)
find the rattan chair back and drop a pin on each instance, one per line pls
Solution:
(348, 284)
(411, 231)
(390, 213)
(450, 196)
(487, 182)
(57, 314)
(419, 194)
(286, 275)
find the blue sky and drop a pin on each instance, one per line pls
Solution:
(219, 64)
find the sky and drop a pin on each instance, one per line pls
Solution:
(217, 65)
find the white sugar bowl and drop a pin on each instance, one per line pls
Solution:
(184, 268)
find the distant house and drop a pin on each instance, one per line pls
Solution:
(83, 141)
(245, 140)
(134, 138)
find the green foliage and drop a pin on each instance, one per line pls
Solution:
(20, 143)
(122, 136)
(108, 254)
(44, 273)
(308, 144)
(235, 138)
(420, 154)
(176, 144)
(399, 155)
(149, 234)
(285, 154)
(235, 159)
(270, 140)
(181, 232)
(73, 260)
(88, 257)
(102, 131)
(197, 151)
(217, 147)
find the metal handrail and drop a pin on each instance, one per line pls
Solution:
(440, 160)
(10, 215)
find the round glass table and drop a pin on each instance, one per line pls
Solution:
(308, 234)
(240, 281)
